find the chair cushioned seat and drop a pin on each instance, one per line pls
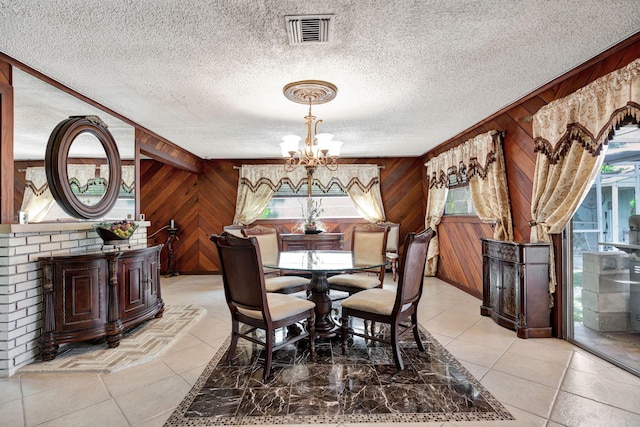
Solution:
(360, 281)
(275, 284)
(280, 307)
(378, 301)
(392, 255)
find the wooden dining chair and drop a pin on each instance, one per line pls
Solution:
(251, 304)
(393, 244)
(269, 250)
(392, 307)
(368, 245)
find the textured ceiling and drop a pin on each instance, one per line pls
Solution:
(208, 75)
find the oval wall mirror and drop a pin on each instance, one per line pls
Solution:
(76, 147)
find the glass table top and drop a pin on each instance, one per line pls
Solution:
(326, 261)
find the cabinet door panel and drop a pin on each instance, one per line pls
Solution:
(326, 245)
(85, 301)
(153, 269)
(132, 285)
(494, 285)
(509, 292)
(295, 246)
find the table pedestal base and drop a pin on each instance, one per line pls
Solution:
(325, 326)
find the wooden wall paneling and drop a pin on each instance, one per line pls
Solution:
(201, 204)
(6, 146)
(461, 253)
(630, 53)
(166, 152)
(170, 193)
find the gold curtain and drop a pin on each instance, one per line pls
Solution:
(569, 136)
(435, 210)
(482, 161)
(488, 183)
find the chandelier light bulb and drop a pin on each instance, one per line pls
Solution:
(334, 148)
(289, 145)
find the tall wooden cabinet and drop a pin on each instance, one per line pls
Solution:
(98, 295)
(515, 291)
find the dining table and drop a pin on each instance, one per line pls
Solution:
(321, 263)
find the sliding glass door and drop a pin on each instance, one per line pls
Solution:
(603, 296)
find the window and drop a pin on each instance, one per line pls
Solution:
(287, 204)
(459, 196)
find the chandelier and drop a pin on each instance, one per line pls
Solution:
(319, 149)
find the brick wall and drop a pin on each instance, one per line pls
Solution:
(21, 245)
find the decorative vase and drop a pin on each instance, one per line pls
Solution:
(311, 228)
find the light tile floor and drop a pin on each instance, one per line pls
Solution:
(542, 382)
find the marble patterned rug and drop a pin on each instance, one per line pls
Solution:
(138, 345)
(361, 386)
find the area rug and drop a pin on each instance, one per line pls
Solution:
(361, 386)
(138, 345)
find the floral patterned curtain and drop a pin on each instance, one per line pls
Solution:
(257, 184)
(481, 160)
(569, 136)
(435, 210)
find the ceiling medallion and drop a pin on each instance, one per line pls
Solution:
(319, 149)
(316, 91)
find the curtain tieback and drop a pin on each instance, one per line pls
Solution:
(532, 223)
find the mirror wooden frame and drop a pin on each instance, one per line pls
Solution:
(56, 159)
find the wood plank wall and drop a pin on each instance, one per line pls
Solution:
(201, 204)
(460, 259)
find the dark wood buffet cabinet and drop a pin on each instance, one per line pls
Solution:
(98, 295)
(515, 288)
(307, 242)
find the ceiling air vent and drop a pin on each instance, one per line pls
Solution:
(310, 28)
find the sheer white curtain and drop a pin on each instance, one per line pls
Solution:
(257, 184)
(570, 136)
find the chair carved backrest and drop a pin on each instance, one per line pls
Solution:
(268, 241)
(368, 245)
(242, 273)
(393, 238)
(235, 229)
(412, 267)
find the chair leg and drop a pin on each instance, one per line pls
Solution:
(416, 333)
(396, 346)
(269, 354)
(345, 332)
(234, 340)
(394, 268)
(312, 334)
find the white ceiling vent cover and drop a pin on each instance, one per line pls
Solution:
(310, 28)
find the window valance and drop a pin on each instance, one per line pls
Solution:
(365, 177)
(257, 184)
(471, 158)
(589, 115)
